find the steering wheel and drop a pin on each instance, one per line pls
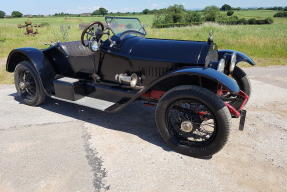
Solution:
(93, 33)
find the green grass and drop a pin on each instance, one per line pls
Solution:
(267, 44)
(258, 14)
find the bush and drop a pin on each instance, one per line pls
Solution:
(16, 14)
(229, 13)
(193, 17)
(2, 14)
(168, 25)
(243, 21)
(175, 14)
(234, 20)
(223, 19)
(281, 14)
(172, 15)
(211, 13)
(260, 22)
(252, 21)
(159, 19)
(269, 20)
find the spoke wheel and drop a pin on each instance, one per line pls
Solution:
(27, 84)
(193, 121)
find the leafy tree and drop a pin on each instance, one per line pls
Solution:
(226, 7)
(176, 9)
(2, 14)
(175, 14)
(16, 14)
(100, 11)
(103, 11)
(193, 17)
(211, 13)
(172, 16)
(146, 11)
(229, 13)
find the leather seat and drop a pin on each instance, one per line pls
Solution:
(75, 48)
(80, 58)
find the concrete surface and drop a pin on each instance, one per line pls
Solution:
(64, 147)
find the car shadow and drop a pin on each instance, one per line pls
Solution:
(135, 119)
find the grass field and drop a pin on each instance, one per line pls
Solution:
(267, 44)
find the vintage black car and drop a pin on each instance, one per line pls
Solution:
(195, 87)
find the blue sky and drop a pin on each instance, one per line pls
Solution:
(83, 6)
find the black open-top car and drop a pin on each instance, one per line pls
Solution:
(195, 87)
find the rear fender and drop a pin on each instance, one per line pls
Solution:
(40, 63)
(241, 57)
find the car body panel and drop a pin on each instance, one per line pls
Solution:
(241, 57)
(163, 50)
(40, 62)
(212, 74)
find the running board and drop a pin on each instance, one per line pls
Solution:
(97, 96)
(93, 103)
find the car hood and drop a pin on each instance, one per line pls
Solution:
(175, 51)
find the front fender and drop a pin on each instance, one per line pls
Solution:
(240, 56)
(36, 57)
(208, 73)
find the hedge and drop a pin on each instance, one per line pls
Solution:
(174, 25)
(281, 14)
(243, 21)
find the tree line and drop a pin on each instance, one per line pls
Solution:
(13, 14)
(177, 16)
(103, 11)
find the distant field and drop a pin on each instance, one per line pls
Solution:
(255, 13)
(267, 44)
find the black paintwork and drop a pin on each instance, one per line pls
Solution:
(40, 62)
(241, 57)
(154, 60)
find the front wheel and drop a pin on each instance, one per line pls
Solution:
(27, 84)
(244, 84)
(193, 121)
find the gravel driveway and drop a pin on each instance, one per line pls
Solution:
(64, 147)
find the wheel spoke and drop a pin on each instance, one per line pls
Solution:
(198, 116)
(27, 85)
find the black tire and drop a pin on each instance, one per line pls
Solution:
(28, 85)
(206, 98)
(244, 84)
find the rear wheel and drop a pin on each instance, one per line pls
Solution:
(193, 121)
(27, 84)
